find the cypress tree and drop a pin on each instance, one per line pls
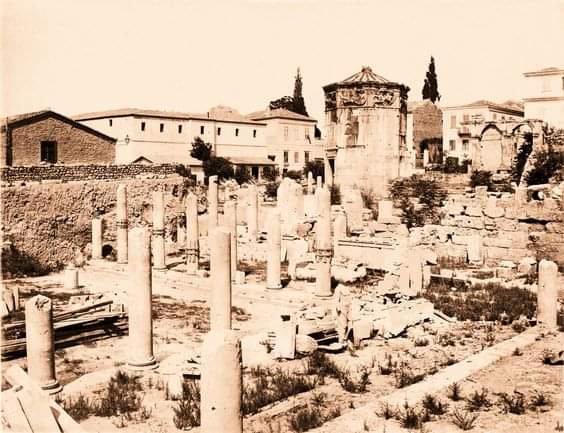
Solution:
(299, 104)
(431, 86)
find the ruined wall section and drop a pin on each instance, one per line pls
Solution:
(509, 229)
(45, 226)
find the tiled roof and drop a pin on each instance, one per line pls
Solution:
(506, 106)
(365, 76)
(278, 113)
(250, 160)
(216, 113)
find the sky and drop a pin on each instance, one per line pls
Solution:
(76, 56)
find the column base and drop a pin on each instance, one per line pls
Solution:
(150, 364)
(323, 296)
(52, 387)
(159, 269)
(277, 287)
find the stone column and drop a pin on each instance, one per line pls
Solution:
(340, 230)
(97, 233)
(323, 243)
(481, 193)
(40, 343)
(520, 195)
(282, 201)
(475, 249)
(252, 213)
(158, 241)
(328, 173)
(319, 183)
(212, 203)
(425, 158)
(230, 224)
(547, 293)
(415, 272)
(274, 248)
(221, 383)
(220, 269)
(121, 222)
(71, 277)
(310, 183)
(140, 354)
(192, 234)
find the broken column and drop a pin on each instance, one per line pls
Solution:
(121, 223)
(220, 269)
(475, 249)
(71, 277)
(212, 203)
(309, 182)
(221, 383)
(328, 173)
(547, 293)
(97, 233)
(425, 158)
(323, 251)
(140, 356)
(415, 272)
(319, 183)
(158, 241)
(340, 230)
(274, 248)
(192, 234)
(252, 213)
(230, 224)
(40, 343)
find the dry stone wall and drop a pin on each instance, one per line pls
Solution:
(46, 226)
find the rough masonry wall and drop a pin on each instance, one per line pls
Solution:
(427, 124)
(85, 172)
(74, 145)
(509, 230)
(45, 226)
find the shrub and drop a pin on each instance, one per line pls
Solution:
(539, 399)
(271, 188)
(517, 352)
(218, 166)
(547, 163)
(421, 342)
(389, 367)
(387, 411)
(404, 377)
(78, 409)
(513, 403)
(321, 365)
(451, 165)
(478, 400)
(242, 175)
(200, 149)
(311, 417)
(465, 420)
(433, 405)
(454, 392)
(409, 417)
(521, 158)
(481, 178)
(294, 174)
(335, 191)
(187, 409)
(369, 200)
(270, 174)
(429, 193)
(317, 168)
(350, 384)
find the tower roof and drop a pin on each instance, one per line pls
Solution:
(365, 76)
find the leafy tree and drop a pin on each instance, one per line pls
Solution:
(294, 174)
(521, 158)
(218, 166)
(431, 86)
(270, 174)
(316, 167)
(547, 164)
(200, 149)
(242, 175)
(286, 102)
(481, 178)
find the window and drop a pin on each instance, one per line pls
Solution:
(111, 122)
(286, 133)
(465, 118)
(254, 133)
(465, 145)
(285, 157)
(562, 83)
(202, 129)
(296, 157)
(218, 131)
(142, 126)
(161, 127)
(452, 145)
(494, 116)
(180, 129)
(236, 132)
(306, 157)
(306, 134)
(452, 122)
(49, 151)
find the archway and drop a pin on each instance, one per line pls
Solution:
(491, 149)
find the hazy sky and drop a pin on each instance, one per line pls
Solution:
(85, 55)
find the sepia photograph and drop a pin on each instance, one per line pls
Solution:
(282, 216)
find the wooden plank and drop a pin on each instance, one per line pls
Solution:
(13, 412)
(37, 411)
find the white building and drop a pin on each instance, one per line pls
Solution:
(165, 136)
(290, 138)
(460, 121)
(544, 98)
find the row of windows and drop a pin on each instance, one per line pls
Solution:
(202, 129)
(296, 133)
(546, 87)
(466, 119)
(452, 145)
(296, 157)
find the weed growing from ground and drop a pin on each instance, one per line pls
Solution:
(321, 365)
(455, 391)
(539, 399)
(389, 367)
(433, 405)
(465, 420)
(404, 377)
(517, 352)
(187, 409)
(387, 411)
(310, 417)
(350, 384)
(478, 400)
(409, 417)
(514, 403)
(78, 409)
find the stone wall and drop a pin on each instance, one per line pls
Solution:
(45, 226)
(84, 172)
(427, 125)
(75, 144)
(509, 229)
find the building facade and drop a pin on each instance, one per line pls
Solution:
(460, 122)
(544, 98)
(46, 137)
(365, 120)
(165, 136)
(424, 132)
(289, 138)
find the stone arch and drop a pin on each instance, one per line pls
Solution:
(491, 148)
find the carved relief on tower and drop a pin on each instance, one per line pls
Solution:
(351, 129)
(370, 97)
(330, 101)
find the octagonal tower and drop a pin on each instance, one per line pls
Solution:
(365, 118)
